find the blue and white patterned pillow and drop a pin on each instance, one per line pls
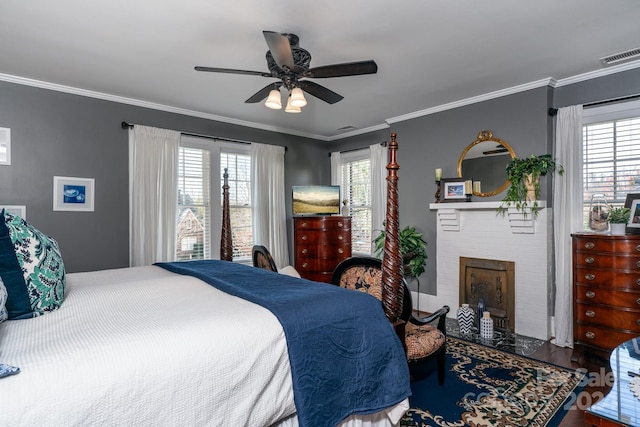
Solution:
(31, 267)
(3, 302)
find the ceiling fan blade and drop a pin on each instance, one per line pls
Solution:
(320, 92)
(342, 70)
(232, 71)
(263, 93)
(280, 49)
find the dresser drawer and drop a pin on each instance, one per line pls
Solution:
(600, 337)
(608, 278)
(319, 237)
(615, 262)
(614, 298)
(327, 223)
(323, 251)
(597, 244)
(326, 265)
(603, 316)
(319, 277)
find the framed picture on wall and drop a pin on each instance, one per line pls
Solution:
(73, 194)
(633, 203)
(452, 190)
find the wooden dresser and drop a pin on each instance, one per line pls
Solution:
(606, 290)
(320, 243)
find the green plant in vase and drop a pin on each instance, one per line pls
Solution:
(413, 249)
(619, 215)
(524, 175)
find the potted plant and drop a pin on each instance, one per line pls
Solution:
(524, 175)
(618, 218)
(413, 249)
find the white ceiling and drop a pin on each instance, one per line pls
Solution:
(429, 53)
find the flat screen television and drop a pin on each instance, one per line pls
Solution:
(316, 199)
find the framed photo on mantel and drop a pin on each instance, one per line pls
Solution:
(452, 190)
(633, 203)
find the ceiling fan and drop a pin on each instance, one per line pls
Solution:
(290, 63)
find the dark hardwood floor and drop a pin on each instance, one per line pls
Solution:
(594, 365)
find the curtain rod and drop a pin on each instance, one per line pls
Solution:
(126, 125)
(383, 143)
(554, 111)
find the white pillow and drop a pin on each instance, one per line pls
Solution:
(289, 271)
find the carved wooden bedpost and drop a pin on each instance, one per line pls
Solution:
(226, 243)
(392, 284)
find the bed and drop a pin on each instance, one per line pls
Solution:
(196, 343)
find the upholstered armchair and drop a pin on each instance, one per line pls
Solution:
(423, 339)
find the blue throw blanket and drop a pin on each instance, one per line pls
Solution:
(345, 356)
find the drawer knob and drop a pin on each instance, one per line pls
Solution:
(590, 335)
(340, 237)
(591, 245)
(340, 224)
(589, 260)
(638, 282)
(591, 294)
(304, 224)
(638, 301)
(637, 321)
(638, 248)
(304, 237)
(590, 313)
(638, 264)
(589, 276)
(340, 250)
(305, 265)
(305, 251)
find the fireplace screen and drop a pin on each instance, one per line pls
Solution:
(493, 281)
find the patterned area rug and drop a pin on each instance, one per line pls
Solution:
(488, 387)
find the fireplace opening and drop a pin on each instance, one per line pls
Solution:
(493, 281)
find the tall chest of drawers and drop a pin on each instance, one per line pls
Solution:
(606, 291)
(320, 243)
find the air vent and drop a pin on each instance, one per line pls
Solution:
(618, 58)
(349, 127)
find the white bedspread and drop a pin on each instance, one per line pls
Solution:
(143, 346)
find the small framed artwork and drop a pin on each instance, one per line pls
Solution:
(73, 194)
(19, 210)
(5, 146)
(452, 190)
(633, 203)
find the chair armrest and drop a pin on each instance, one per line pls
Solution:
(439, 315)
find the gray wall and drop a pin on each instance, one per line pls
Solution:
(436, 141)
(55, 133)
(59, 134)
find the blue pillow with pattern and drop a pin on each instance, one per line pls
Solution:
(31, 268)
(3, 301)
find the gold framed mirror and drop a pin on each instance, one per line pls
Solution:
(485, 160)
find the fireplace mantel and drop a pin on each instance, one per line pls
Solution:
(520, 222)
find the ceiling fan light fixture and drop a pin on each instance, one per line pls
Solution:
(273, 101)
(290, 108)
(297, 98)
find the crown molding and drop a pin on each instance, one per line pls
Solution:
(598, 73)
(137, 102)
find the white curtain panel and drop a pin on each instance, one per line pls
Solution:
(153, 194)
(269, 213)
(336, 168)
(378, 188)
(567, 216)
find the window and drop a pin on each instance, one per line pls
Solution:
(356, 188)
(201, 165)
(611, 153)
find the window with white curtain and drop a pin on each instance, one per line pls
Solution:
(201, 167)
(611, 152)
(356, 188)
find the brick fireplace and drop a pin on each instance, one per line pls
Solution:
(475, 230)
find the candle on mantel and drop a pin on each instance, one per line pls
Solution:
(467, 187)
(476, 187)
(438, 174)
